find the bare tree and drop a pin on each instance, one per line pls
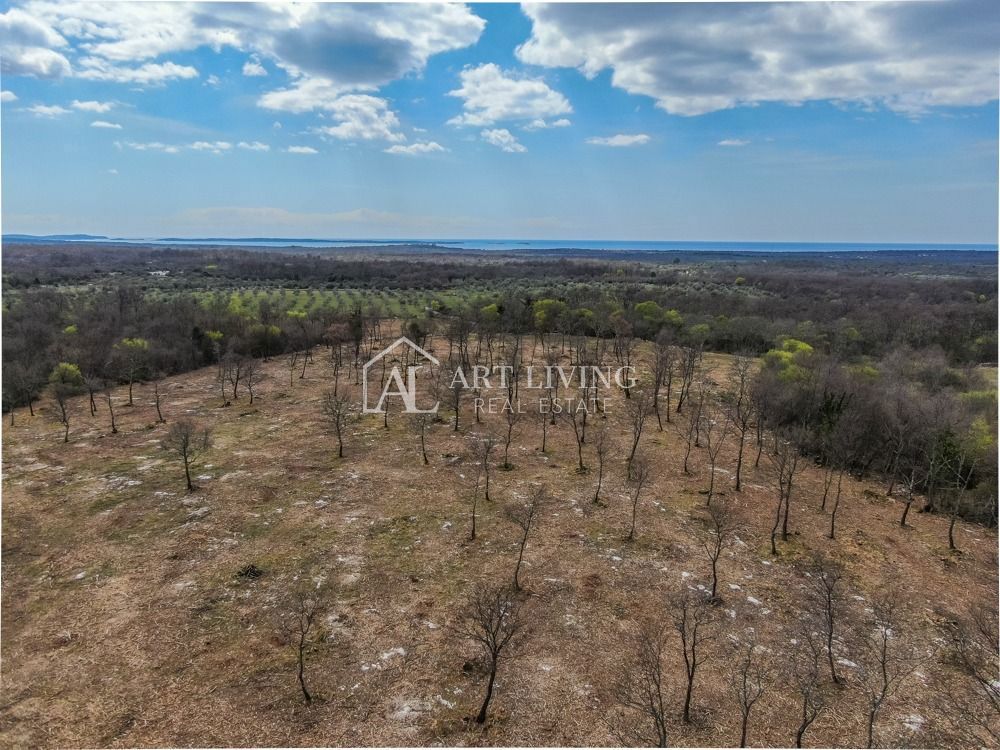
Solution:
(747, 682)
(888, 657)
(688, 428)
(973, 703)
(664, 365)
(641, 475)
(157, 396)
(492, 620)
(784, 463)
(690, 364)
(602, 448)
(111, 411)
(336, 409)
(484, 448)
(299, 627)
(827, 601)
(740, 407)
(577, 418)
(715, 429)
(525, 517)
(251, 375)
(187, 442)
(806, 656)
(637, 411)
(474, 504)
(691, 618)
(642, 687)
(721, 529)
(512, 415)
(419, 423)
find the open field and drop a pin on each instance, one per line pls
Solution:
(126, 622)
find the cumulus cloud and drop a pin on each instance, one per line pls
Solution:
(539, 124)
(30, 46)
(360, 117)
(733, 142)
(252, 68)
(253, 146)
(504, 140)
(301, 150)
(47, 110)
(621, 140)
(7, 96)
(95, 69)
(693, 58)
(106, 125)
(342, 47)
(421, 147)
(149, 146)
(214, 147)
(91, 106)
(490, 95)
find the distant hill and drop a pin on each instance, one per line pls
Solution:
(52, 237)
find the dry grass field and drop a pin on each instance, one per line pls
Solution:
(126, 622)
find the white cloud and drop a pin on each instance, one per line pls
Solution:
(345, 47)
(95, 69)
(216, 147)
(29, 46)
(91, 106)
(7, 96)
(693, 58)
(562, 122)
(489, 96)
(105, 124)
(301, 150)
(362, 117)
(621, 140)
(504, 140)
(253, 146)
(734, 142)
(213, 80)
(423, 147)
(112, 171)
(149, 146)
(47, 110)
(252, 68)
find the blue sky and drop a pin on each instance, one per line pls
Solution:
(807, 122)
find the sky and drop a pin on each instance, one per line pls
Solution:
(800, 122)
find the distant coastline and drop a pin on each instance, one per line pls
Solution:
(516, 245)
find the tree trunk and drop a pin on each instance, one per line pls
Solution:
(481, 718)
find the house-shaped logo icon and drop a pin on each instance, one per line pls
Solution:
(407, 390)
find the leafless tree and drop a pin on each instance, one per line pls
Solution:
(299, 627)
(690, 364)
(691, 618)
(641, 475)
(111, 411)
(474, 503)
(784, 463)
(715, 430)
(972, 704)
(157, 399)
(603, 445)
(721, 530)
(512, 415)
(336, 409)
(525, 516)
(419, 424)
(251, 375)
(806, 655)
(493, 621)
(887, 657)
(827, 600)
(689, 426)
(577, 419)
(664, 366)
(637, 412)
(187, 442)
(747, 682)
(484, 448)
(642, 687)
(740, 408)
